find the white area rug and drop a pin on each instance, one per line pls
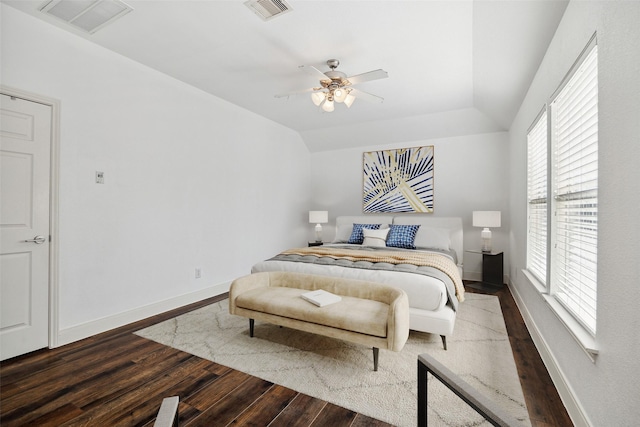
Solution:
(342, 373)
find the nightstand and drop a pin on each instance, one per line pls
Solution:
(315, 244)
(492, 271)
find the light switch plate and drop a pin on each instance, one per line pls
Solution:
(99, 177)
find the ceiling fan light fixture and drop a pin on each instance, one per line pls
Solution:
(348, 100)
(328, 106)
(335, 86)
(317, 98)
(339, 95)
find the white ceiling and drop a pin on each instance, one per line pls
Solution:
(455, 67)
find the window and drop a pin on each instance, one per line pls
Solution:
(575, 191)
(537, 198)
(571, 227)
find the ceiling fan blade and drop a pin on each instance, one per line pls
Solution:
(314, 72)
(366, 96)
(365, 77)
(298, 92)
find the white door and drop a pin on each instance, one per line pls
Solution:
(25, 150)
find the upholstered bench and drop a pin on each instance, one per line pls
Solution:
(371, 314)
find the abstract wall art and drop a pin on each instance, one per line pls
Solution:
(398, 180)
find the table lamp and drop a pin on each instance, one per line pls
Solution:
(486, 219)
(318, 217)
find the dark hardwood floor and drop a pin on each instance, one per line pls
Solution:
(118, 378)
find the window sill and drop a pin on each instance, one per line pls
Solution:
(586, 341)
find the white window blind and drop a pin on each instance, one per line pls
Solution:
(575, 190)
(537, 198)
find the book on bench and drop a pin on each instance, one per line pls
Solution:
(321, 297)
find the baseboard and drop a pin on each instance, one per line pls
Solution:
(85, 330)
(573, 406)
(476, 276)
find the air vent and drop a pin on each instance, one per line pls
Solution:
(86, 15)
(268, 9)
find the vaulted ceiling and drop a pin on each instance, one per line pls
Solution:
(455, 67)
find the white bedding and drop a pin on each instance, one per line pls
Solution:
(425, 293)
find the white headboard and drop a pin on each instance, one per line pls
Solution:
(453, 224)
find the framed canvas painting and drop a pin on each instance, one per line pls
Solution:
(398, 180)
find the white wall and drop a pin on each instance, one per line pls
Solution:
(604, 392)
(470, 173)
(190, 180)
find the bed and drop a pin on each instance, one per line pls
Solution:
(425, 259)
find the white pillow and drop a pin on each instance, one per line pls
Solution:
(433, 237)
(375, 237)
(343, 231)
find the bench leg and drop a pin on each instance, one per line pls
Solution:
(376, 350)
(444, 341)
(251, 324)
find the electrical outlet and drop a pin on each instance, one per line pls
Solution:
(198, 273)
(99, 177)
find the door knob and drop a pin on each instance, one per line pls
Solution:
(38, 240)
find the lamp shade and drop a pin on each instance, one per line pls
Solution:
(318, 217)
(328, 106)
(489, 219)
(339, 95)
(348, 100)
(317, 97)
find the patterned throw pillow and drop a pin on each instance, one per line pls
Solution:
(356, 235)
(402, 236)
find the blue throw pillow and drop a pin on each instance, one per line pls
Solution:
(356, 235)
(402, 236)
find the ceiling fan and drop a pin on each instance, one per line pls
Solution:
(335, 86)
